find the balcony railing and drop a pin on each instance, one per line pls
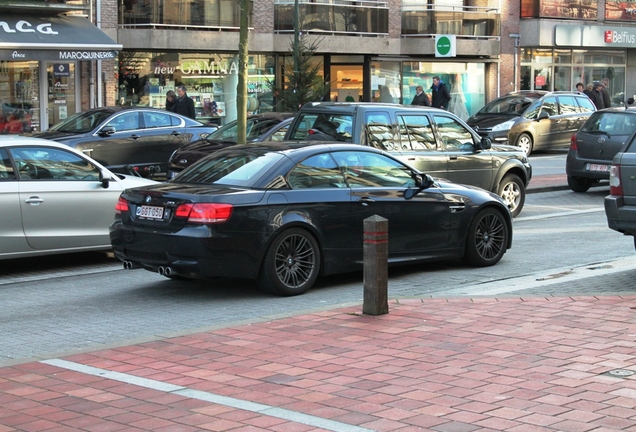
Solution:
(421, 19)
(179, 14)
(346, 17)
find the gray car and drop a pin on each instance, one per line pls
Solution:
(433, 141)
(533, 120)
(620, 204)
(54, 199)
(594, 146)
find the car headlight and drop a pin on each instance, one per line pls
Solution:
(503, 126)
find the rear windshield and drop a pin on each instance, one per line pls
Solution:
(322, 127)
(611, 123)
(514, 105)
(232, 168)
(255, 127)
(82, 122)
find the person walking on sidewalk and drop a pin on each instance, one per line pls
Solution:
(420, 97)
(441, 96)
(184, 104)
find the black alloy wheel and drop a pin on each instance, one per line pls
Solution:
(291, 263)
(487, 238)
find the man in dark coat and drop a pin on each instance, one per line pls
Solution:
(441, 96)
(420, 98)
(607, 100)
(184, 104)
(594, 93)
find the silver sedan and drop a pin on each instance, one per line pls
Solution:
(54, 199)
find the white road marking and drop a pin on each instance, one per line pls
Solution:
(268, 410)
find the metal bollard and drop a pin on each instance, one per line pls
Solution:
(376, 274)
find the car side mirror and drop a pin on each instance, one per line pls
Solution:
(422, 181)
(543, 115)
(485, 144)
(105, 178)
(107, 130)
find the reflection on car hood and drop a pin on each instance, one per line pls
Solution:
(489, 120)
(130, 181)
(502, 148)
(55, 136)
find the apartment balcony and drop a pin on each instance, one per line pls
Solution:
(45, 7)
(221, 15)
(425, 19)
(333, 17)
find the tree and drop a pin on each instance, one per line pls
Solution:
(303, 81)
(241, 87)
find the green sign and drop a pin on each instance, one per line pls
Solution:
(445, 46)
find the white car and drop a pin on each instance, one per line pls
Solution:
(54, 199)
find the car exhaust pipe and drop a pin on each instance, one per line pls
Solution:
(167, 271)
(127, 265)
(161, 270)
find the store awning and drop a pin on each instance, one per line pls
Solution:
(58, 38)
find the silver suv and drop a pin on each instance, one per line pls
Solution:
(620, 204)
(533, 120)
(433, 141)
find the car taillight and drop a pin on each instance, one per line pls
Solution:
(573, 145)
(121, 206)
(205, 212)
(616, 188)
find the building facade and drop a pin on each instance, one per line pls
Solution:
(134, 51)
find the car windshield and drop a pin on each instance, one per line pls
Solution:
(242, 167)
(323, 126)
(82, 122)
(611, 123)
(255, 128)
(513, 105)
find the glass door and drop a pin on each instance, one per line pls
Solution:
(61, 92)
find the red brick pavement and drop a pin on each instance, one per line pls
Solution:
(514, 364)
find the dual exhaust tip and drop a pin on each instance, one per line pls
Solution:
(163, 271)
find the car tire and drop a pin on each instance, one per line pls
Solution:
(513, 192)
(291, 264)
(579, 184)
(525, 143)
(487, 239)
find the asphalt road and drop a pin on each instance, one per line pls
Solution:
(75, 303)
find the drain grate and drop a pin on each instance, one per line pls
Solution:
(619, 373)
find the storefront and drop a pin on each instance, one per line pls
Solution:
(581, 54)
(210, 80)
(40, 57)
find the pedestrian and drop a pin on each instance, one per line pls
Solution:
(420, 97)
(594, 95)
(607, 100)
(184, 104)
(440, 95)
(580, 87)
(171, 101)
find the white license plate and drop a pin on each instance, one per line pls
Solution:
(598, 167)
(150, 212)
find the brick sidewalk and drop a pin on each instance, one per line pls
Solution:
(515, 364)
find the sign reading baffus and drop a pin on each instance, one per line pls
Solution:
(445, 46)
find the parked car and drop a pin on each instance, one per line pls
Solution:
(433, 141)
(126, 138)
(532, 119)
(54, 199)
(620, 204)
(284, 213)
(594, 146)
(260, 128)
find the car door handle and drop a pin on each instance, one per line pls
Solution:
(133, 136)
(34, 200)
(452, 157)
(365, 201)
(176, 133)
